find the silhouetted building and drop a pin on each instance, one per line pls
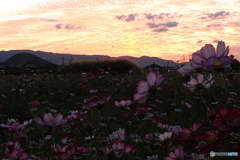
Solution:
(26, 63)
(153, 67)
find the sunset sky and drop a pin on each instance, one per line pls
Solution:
(168, 29)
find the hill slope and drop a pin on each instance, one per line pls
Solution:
(63, 58)
(21, 59)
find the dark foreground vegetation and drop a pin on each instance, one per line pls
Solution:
(103, 114)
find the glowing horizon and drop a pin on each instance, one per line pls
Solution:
(168, 30)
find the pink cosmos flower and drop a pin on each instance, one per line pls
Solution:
(48, 137)
(82, 150)
(117, 149)
(11, 146)
(123, 103)
(185, 69)
(93, 91)
(199, 83)
(214, 139)
(187, 132)
(190, 136)
(86, 100)
(67, 152)
(18, 154)
(21, 136)
(217, 62)
(224, 115)
(35, 103)
(164, 136)
(177, 154)
(99, 69)
(117, 135)
(97, 104)
(233, 126)
(144, 88)
(208, 58)
(49, 120)
(14, 125)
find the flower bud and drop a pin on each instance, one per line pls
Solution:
(141, 112)
(211, 113)
(88, 127)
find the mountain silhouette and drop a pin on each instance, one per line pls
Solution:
(21, 59)
(57, 58)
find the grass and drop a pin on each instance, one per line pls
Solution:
(90, 129)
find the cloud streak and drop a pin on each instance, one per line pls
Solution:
(68, 26)
(164, 26)
(217, 15)
(147, 16)
(160, 30)
(167, 24)
(127, 18)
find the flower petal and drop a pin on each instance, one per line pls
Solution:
(197, 57)
(141, 97)
(200, 78)
(48, 117)
(39, 121)
(142, 87)
(207, 51)
(151, 78)
(58, 118)
(195, 65)
(220, 49)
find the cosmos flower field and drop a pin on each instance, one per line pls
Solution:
(142, 115)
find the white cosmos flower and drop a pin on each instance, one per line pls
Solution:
(199, 83)
(164, 136)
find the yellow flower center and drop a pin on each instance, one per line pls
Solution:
(212, 138)
(115, 139)
(69, 156)
(218, 63)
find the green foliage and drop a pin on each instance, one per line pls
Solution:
(119, 65)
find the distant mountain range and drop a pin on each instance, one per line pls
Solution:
(57, 58)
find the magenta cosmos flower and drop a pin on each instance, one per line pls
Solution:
(144, 88)
(208, 58)
(49, 120)
(97, 104)
(188, 132)
(199, 83)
